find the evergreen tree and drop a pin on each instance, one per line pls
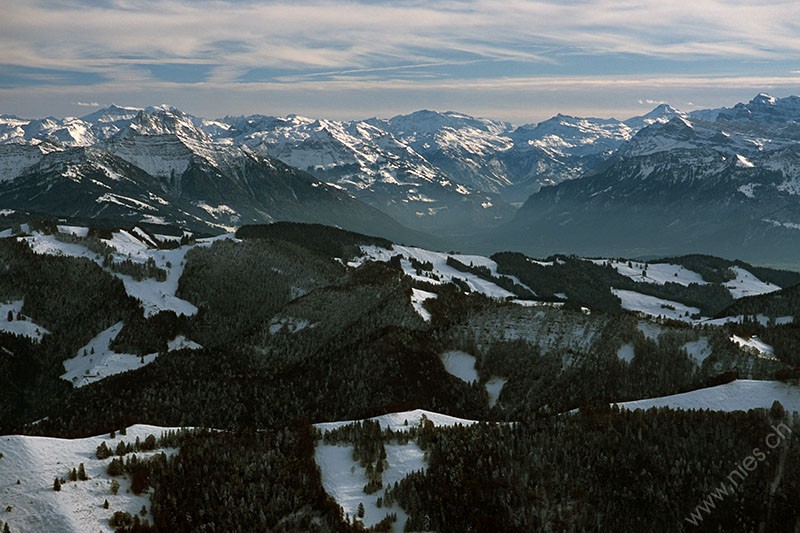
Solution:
(82, 473)
(56, 485)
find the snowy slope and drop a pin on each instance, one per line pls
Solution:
(21, 325)
(756, 346)
(746, 284)
(97, 360)
(656, 307)
(418, 298)
(155, 296)
(78, 507)
(344, 479)
(442, 272)
(659, 273)
(739, 395)
(401, 421)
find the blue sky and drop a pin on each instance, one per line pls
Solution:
(521, 61)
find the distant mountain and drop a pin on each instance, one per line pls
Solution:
(515, 161)
(444, 172)
(157, 166)
(685, 185)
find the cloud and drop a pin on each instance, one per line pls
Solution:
(87, 104)
(251, 48)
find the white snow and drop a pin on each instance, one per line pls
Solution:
(344, 479)
(494, 387)
(650, 305)
(698, 350)
(21, 325)
(37, 461)
(403, 420)
(756, 346)
(417, 298)
(74, 230)
(182, 343)
(748, 189)
(738, 319)
(739, 395)
(658, 273)
(155, 296)
(743, 162)
(746, 284)
(461, 365)
(441, 273)
(97, 360)
(626, 353)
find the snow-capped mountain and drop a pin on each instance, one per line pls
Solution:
(428, 169)
(157, 166)
(372, 165)
(515, 161)
(685, 185)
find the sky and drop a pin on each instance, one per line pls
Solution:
(520, 61)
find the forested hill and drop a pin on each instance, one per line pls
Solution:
(279, 327)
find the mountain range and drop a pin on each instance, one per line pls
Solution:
(719, 181)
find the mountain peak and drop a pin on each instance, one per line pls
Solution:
(764, 99)
(662, 113)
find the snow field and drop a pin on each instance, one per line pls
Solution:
(655, 307)
(659, 273)
(78, 507)
(344, 479)
(21, 325)
(97, 360)
(746, 284)
(739, 395)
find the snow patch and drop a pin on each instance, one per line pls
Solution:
(756, 346)
(460, 365)
(494, 387)
(441, 272)
(344, 479)
(743, 162)
(417, 298)
(78, 231)
(626, 353)
(698, 350)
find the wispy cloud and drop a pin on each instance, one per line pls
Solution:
(414, 46)
(87, 104)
